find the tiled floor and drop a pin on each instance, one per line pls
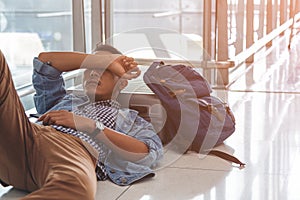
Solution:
(266, 103)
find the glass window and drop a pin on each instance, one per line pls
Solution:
(158, 28)
(88, 26)
(28, 27)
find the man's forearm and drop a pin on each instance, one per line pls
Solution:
(63, 61)
(68, 61)
(128, 147)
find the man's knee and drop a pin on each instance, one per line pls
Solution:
(86, 185)
(73, 186)
(2, 58)
(3, 67)
(67, 187)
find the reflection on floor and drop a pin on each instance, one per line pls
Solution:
(266, 103)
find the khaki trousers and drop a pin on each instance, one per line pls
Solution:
(39, 159)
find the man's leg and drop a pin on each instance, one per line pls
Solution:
(15, 133)
(62, 167)
(37, 158)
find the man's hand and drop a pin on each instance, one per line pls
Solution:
(126, 146)
(125, 67)
(68, 119)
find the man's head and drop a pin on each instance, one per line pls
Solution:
(102, 84)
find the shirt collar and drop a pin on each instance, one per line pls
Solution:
(107, 103)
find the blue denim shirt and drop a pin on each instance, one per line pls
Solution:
(51, 95)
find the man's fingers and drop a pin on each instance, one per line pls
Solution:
(133, 73)
(45, 119)
(132, 65)
(129, 63)
(125, 67)
(128, 59)
(52, 116)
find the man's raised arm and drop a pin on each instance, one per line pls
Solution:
(120, 65)
(68, 61)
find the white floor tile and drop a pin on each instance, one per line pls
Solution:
(187, 184)
(108, 190)
(9, 193)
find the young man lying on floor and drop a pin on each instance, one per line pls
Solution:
(76, 134)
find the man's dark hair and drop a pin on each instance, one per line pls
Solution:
(106, 47)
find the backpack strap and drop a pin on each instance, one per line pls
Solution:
(3, 183)
(155, 64)
(225, 156)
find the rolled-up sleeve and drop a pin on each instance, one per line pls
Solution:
(124, 172)
(135, 126)
(49, 85)
(151, 139)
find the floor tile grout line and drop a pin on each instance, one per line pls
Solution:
(123, 192)
(264, 91)
(203, 169)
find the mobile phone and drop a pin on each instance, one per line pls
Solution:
(36, 115)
